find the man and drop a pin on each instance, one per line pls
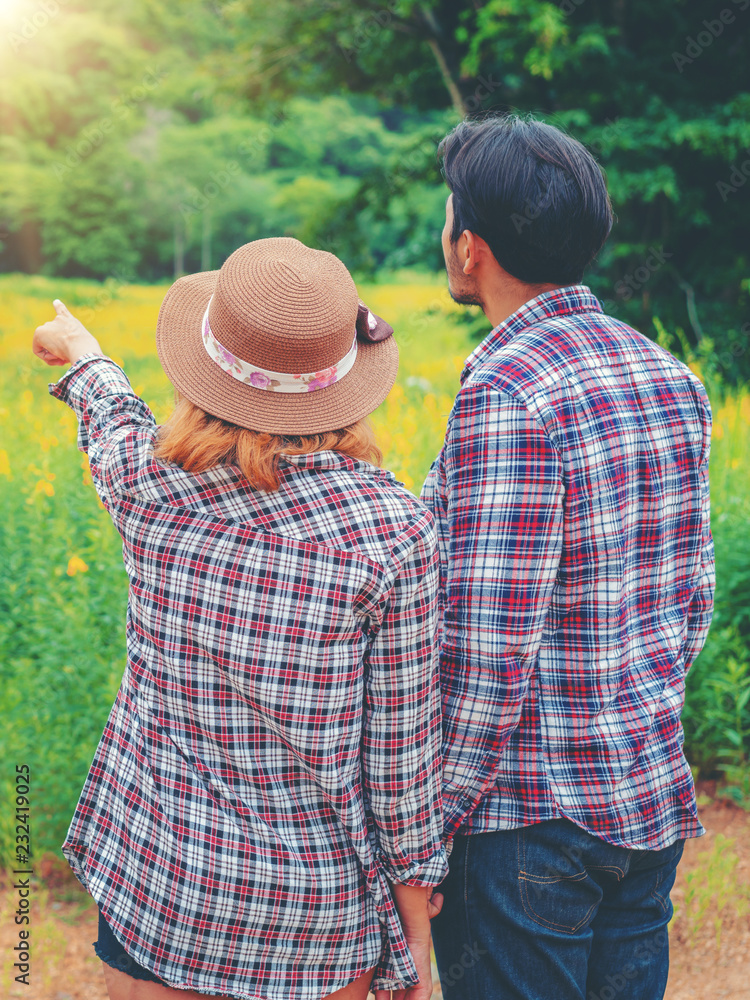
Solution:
(571, 497)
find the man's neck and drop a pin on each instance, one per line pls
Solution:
(502, 299)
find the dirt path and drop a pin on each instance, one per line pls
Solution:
(710, 935)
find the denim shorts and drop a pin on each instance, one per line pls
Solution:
(111, 952)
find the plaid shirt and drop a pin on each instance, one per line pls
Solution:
(577, 576)
(271, 762)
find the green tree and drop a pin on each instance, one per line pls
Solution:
(400, 51)
(87, 218)
(659, 91)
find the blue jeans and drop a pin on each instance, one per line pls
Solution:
(549, 912)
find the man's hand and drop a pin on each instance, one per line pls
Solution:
(64, 339)
(416, 908)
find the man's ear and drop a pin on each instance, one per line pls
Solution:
(476, 250)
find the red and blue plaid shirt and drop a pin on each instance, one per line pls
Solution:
(271, 763)
(577, 576)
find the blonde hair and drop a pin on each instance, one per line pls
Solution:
(196, 441)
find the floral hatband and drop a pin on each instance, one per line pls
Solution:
(261, 378)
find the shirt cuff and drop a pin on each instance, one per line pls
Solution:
(59, 389)
(424, 873)
(79, 391)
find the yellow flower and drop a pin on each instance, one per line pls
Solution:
(4, 464)
(396, 394)
(43, 486)
(76, 565)
(48, 442)
(409, 423)
(27, 401)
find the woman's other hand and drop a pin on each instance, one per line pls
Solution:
(416, 908)
(64, 339)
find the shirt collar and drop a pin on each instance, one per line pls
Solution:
(324, 460)
(558, 302)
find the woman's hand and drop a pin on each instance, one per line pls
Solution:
(416, 908)
(64, 339)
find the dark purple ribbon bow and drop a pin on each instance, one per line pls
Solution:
(371, 327)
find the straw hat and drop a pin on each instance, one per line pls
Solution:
(268, 342)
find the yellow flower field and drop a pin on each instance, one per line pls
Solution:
(62, 586)
(410, 424)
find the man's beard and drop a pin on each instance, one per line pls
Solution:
(461, 288)
(466, 298)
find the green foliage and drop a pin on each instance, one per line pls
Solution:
(86, 218)
(61, 637)
(532, 35)
(153, 138)
(716, 718)
(658, 91)
(717, 710)
(713, 891)
(377, 47)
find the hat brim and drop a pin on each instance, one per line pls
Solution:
(195, 375)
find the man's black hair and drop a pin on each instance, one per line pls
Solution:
(535, 195)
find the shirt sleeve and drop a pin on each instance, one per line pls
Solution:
(401, 742)
(115, 427)
(502, 538)
(702, 603)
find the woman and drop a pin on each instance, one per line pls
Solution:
(267, 785)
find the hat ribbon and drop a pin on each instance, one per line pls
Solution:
(262, 378)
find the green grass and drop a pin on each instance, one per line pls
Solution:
(62, 647)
